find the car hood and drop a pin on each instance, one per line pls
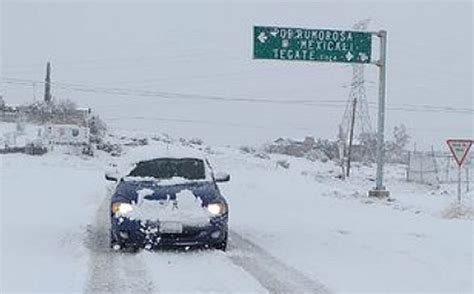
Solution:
(184, 204)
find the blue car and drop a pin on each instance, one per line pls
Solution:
(168, 202)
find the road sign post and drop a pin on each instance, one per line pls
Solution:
(380, 190)
(459, 183)
(321, 45)
(459, 149)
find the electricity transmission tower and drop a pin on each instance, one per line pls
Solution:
(356, 119)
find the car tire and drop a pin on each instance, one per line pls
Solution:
(123, 247)
(114, 243)
(132, 249)
(221, 245)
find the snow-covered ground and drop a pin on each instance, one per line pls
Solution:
(329, 229)
(292, 230)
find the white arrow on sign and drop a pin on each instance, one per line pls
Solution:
(349, 56)
(262, 37)
(459, 149)
(363, 57)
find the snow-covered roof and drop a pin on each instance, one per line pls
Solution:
(129, 160)
(157, 151)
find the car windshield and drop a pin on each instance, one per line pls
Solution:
(167, 168)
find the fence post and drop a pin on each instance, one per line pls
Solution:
(467, 178)
(421, 168)
(435, 165)
(447, 168)
(459, 184)
(409, 166)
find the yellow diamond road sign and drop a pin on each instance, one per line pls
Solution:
(459, 149)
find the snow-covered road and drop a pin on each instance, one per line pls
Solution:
(273, 274)
(292, 230)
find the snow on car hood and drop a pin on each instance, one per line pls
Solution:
(185, 208)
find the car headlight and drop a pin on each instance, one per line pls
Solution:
(217, 208)
(120, 208)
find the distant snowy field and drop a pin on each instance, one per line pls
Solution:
(301, 222)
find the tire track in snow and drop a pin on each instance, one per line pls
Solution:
(112, 272)
(272, 274)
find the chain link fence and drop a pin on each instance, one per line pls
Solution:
(434, 168)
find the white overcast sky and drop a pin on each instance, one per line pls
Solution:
(205, 49)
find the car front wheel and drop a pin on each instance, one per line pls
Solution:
(221, 245)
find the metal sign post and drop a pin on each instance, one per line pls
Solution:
(380, 190)
(459, 184)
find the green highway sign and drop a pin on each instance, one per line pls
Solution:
(311, 45)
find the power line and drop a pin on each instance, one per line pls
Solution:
(206, 122)
(426, 108)
(194, 97)
(168, 95)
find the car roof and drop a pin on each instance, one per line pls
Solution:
(129, 160)
(154, 152)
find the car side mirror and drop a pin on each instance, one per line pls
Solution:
(112, 175)
(222, 177)
(110, 178)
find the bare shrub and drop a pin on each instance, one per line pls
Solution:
(283, 163)
(458, 211)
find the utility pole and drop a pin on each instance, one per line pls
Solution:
(351, 137)
(33, 85)
(47, 84)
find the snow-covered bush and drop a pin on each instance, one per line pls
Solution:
(191, 142)
(111, 148)
(283, 163)
(329, 148)
(63, 107)
(88, 150)
(366, 150)
(321, 149)
(247, 149)
(164, 138)
(395, 149)
(97, 128)
(459, 211)
(196, 141)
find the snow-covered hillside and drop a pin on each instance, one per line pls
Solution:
(292, 229)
